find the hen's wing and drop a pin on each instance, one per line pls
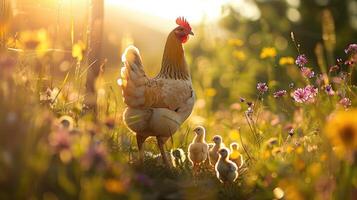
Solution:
(140, 91)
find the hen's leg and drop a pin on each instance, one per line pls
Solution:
(140, 141)
(161, 141)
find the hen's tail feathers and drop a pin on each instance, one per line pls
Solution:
(133, 78)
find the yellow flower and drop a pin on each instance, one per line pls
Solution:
(286, 61)
(37, 40)
(210, 92)
(78, 50)
(114, 186)
(240, 55)
(341, 129)
(268, 52)
(234, 135)
(235, 42)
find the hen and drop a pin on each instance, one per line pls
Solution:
(158, 106)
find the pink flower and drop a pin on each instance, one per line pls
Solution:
(352, 48)
(279, 93)
(307, 72)
(262, 87)
(345, 102)
(300, 95)
(305, 95)
(301, 60)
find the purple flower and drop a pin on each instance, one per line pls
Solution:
(311, 90)
(329, 90)
(300, 95)
(352, 48)
(301, 60)
(307, 72)
(262, 87)
(279, 93)
(60, 140)
(305, 95)
(241, 99)
(345, 102)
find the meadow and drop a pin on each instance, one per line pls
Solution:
(290, 105)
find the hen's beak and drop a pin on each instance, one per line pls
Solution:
(191, 33)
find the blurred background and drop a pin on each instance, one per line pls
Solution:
(237, 44)
(254, 23)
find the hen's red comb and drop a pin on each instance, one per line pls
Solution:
(183, 22)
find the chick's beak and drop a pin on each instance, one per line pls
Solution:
(191, 33)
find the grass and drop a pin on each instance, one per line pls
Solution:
(51, 149)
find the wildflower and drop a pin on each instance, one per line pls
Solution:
(311, 90)
(286, 61)
(341, 129)
(321, 79)
(272, 141)
(291, 132)
(66, 122)
(268, 52)
(241, 99)
(249, 112)
(78, 50)
(210, 92)
(240, 55)
(235, 42)
(305, 95)
(301, 60)
(300, 95)
(60, 140)
(351, 49)
(329, 90)
(35, 40)
(345, 102)
(144, 180)
(262, 87)
(114, 186)
(307, 72)
(95, 157)
(279, 93)
(276, 151)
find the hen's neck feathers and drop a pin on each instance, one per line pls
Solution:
(174, 65)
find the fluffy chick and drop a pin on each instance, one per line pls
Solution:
(235, 155)
(198, 149)
(226, 170)
(178, 157)
(213, 151)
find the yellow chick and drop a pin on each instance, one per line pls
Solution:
(235, 155)
(226, 170)
(213, 151)
(198, 149)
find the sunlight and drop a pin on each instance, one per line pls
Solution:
(195, 10)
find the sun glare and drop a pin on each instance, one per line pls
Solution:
(194, 10)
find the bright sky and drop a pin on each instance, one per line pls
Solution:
(193, 10)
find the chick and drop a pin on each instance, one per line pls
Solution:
(213, 151)
(178, 157)
(226, 170)
(235, 155)
(198, 149)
